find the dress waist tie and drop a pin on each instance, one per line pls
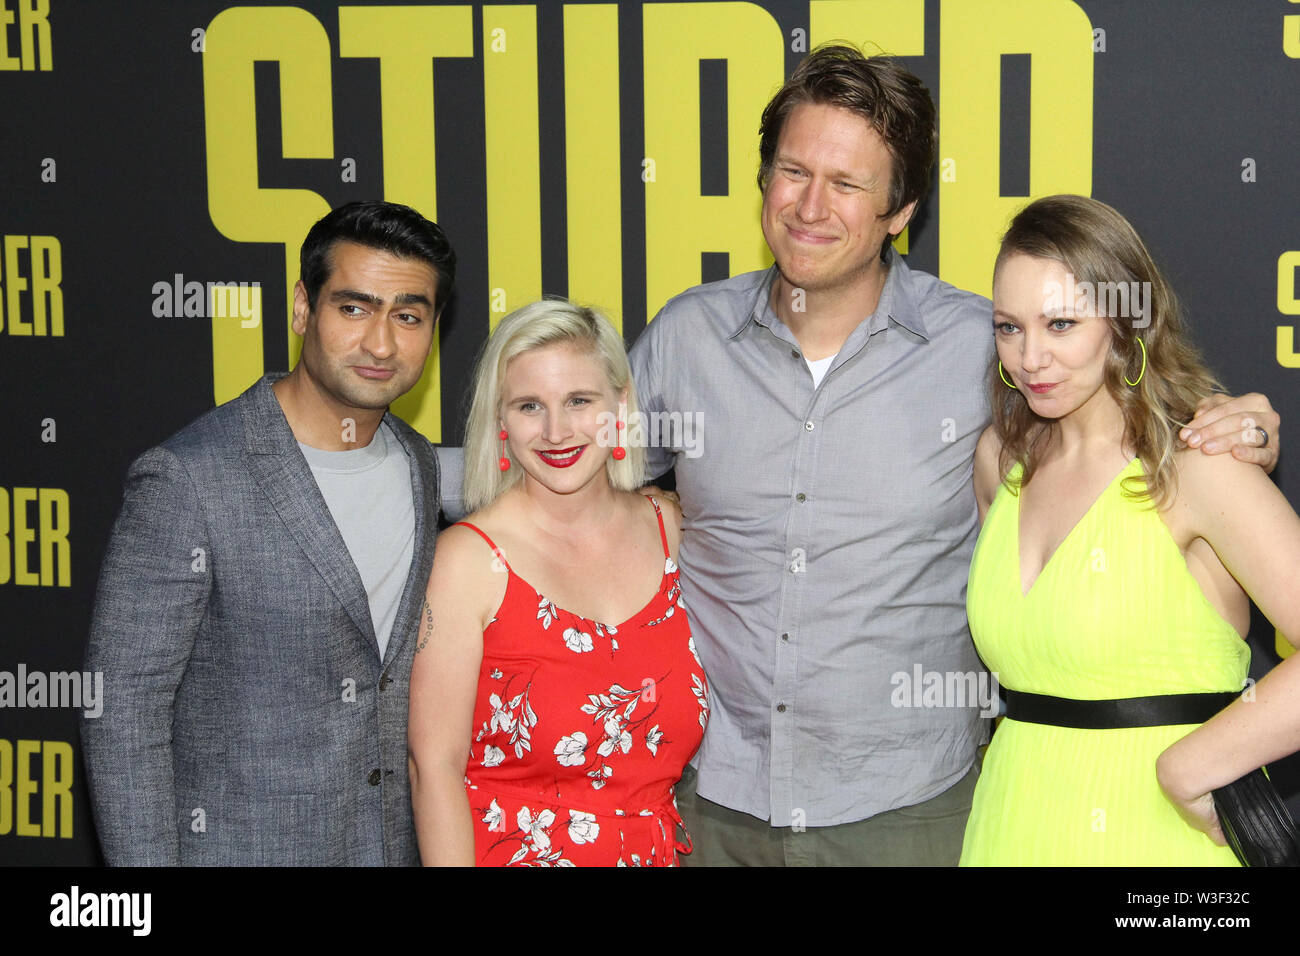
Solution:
(663, 830)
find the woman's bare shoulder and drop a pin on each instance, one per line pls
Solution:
(464, 553)
(672, 515)
(988, 448)
(1205, 479)
(987, 476)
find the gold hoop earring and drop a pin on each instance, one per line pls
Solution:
(1144, 366)
(1003, 375)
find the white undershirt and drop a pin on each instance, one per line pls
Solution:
(819, 368)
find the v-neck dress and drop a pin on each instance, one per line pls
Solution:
(1114, 613)
(581, 730)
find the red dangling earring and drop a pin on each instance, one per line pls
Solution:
(504, 463)
(619, 452)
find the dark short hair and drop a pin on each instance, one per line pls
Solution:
(883, 92)
(388, 226)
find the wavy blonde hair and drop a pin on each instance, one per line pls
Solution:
(1098, 245)
(535, 326)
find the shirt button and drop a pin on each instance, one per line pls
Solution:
(801, 497)
(808, 426)
(374, 777)
(780, 708)
(794, 353)
(785, 637)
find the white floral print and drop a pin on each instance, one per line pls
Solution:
(702, 698)
(546, 611)
(603, 630)
(515, 717)
(571, 751)
(583, 827)
(616, 738)
(502, 719)
(613, 711)
(537, 829)
(577, 641)
(495, 818)
(537, 839)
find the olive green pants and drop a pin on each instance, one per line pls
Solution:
(926, 834)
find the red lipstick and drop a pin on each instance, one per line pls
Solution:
(562, 457)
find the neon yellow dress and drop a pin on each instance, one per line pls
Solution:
(1114, 613)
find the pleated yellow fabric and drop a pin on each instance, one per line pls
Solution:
(1114, 613)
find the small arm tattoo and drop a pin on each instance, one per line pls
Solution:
(428, 628)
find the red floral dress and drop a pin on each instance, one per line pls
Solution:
(583, 728)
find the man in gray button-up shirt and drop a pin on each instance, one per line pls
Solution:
(828, 534)
(822, 417)
(829, 521)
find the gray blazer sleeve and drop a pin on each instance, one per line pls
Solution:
(152, 597)
(451, 476)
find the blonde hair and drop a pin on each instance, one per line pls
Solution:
(1098, 245)
(535, 326)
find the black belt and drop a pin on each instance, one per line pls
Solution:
(1158, 711)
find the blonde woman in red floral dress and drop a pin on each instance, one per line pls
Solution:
(556, 694)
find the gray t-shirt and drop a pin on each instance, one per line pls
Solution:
(368, 492)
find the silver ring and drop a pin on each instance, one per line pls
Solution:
(1264, 443)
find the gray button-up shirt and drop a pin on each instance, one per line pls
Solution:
(827, 538)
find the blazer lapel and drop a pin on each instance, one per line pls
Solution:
(425, 498)
(285, 478)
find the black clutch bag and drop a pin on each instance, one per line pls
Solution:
(1256, 822)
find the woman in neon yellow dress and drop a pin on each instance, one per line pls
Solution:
(1100, 591)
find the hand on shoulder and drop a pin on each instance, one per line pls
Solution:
(1247, 426)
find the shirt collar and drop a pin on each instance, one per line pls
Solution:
(896, 302)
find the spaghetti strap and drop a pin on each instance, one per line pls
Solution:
(492, 544)
(663, 533)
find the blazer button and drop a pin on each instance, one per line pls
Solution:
(384, 681)
(375, 777)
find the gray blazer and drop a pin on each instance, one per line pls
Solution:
(247, 716)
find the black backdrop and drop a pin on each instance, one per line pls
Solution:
(124, 127)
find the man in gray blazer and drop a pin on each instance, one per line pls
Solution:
(259, 599)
